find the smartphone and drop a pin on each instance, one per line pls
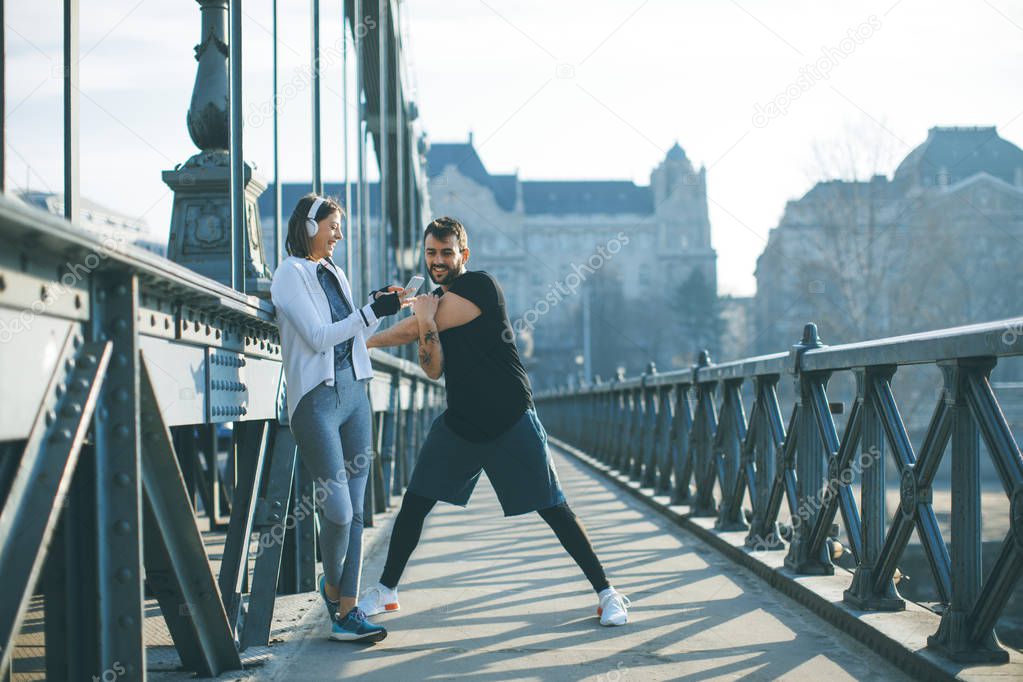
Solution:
(413, 285)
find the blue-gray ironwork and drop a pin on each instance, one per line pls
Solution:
(72, 111)
(111, 442)
(807, 466)
(145, 355)
(317, 167)
(3, 98)
(278, 245)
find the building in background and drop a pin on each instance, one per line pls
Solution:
(926, 249)
(935, 246)
(100, 220)
(597, 274)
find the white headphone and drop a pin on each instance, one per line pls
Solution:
(311, 226)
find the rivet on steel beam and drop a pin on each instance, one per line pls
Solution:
(121, 360)
(51, 416)
(126, 621)
(90, 360)
(64, 434)
(121, 290)
(121, 395)
(73, 408)
(122, 527)
(122, 479)
(124, 575)
(121, 324)
(121, 431)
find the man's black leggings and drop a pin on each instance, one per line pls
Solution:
(408, 526)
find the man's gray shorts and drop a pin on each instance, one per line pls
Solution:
(517, 463)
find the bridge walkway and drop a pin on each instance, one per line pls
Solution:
(497, 599)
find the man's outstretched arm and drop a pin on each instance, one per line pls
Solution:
(405, 331)
(452, 311)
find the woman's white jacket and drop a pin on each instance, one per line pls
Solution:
(308, 336)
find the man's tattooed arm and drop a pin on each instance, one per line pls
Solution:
(431, 356)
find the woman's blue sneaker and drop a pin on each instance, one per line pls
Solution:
(355, 627)
(332, 606)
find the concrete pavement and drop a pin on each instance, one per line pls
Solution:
(498, 599)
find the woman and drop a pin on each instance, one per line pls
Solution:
(327, 369)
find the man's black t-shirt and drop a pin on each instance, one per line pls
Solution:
(486, 385)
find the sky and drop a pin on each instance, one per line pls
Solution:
(769, 96)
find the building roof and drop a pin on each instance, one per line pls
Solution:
(463, 156)
(99, 220)
(676, 153)
(92, 213)
(540, 197)
(568, 197)
(545, 197)
(877, 188)
(950, 155)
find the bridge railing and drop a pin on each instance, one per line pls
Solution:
(683, 432)
(120, 371)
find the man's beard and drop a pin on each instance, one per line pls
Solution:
(445, 277)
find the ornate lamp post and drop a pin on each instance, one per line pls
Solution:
(200, 234)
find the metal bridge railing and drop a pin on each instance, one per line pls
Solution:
(118, 367)
(682, 432)
(120, 371)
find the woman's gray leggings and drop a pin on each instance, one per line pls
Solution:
(335, 442)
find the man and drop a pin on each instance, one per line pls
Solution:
(490, 424)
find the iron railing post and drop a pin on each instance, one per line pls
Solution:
(809, 466)
(955, 637)
(870, 465)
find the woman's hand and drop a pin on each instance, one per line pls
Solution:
(394, 288)
(424, 306)
(377, 293)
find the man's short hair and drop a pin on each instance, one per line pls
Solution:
(445, 227)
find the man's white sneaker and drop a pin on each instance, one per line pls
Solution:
(613, 609)
(379, 599)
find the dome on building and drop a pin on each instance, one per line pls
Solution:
(950, 155)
